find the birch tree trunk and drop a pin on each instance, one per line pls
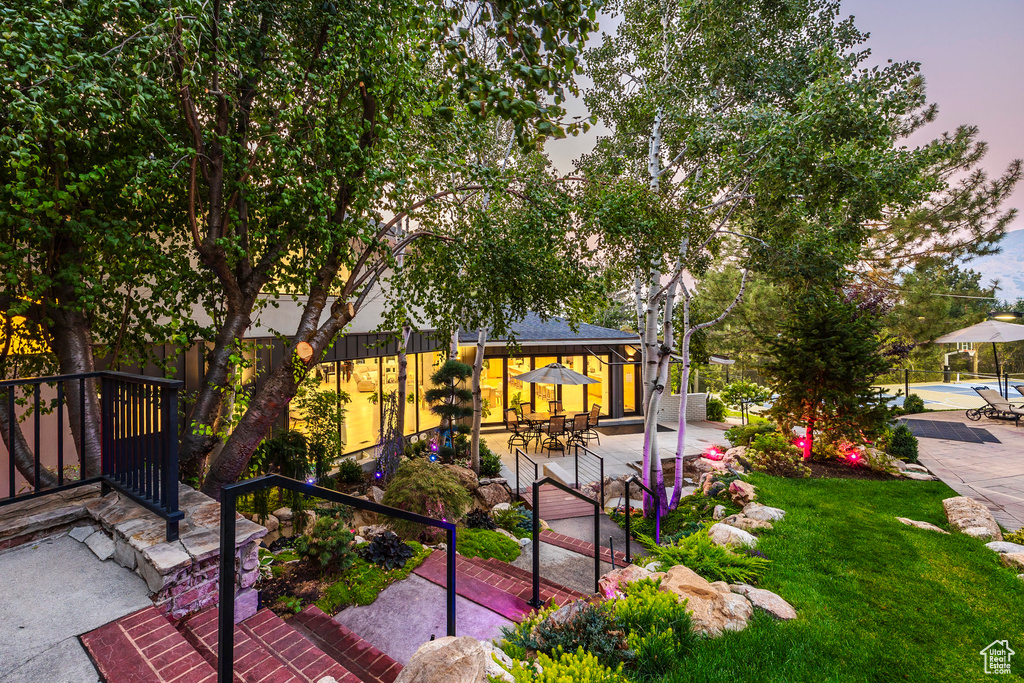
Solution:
(478, 403)
(403, 378)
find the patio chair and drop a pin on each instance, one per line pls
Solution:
(1019, 388)
(996, 407)
(593, 420)
(518, 431)
(578, 430)
(554, 407)
(554, 428)
(525, 409)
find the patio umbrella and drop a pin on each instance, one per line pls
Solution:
(989, 331)
(556, 373)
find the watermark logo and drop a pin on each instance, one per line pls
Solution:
(997, 657)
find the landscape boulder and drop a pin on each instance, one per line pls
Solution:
(763, 512)
(927, 526)
(1013, 560)
(376, 494)
(608, 585)
(492, 494)
(447, 660)
(972, 518)
(742, 492)
(749, 524)
(1005, 547)
(730, 536)
(466, 476)
(713, 609)
(766, 601)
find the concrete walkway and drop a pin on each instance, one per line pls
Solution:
(53, 591)
(991, 472)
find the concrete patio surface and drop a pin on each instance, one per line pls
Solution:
(990, 472)
(617, 450)
(53, 591)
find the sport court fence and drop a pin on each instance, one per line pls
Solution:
(949, 389)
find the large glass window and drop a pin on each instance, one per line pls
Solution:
(518, 392)
(360, 379)
(492, 389)
(598, 368)
(572, 395)
(544, 393)
(629, 375)
(427, 363)
(389, 365)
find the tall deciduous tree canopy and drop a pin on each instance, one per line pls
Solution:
(765, 140)
(86, 254)
(313, 131)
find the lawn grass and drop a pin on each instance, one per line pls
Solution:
(877, 600)
(486, 544)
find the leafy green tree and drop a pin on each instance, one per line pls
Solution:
(823, 363)
(313, 133)
(745, 135)
(88, 265)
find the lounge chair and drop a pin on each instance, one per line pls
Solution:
(996, 407)
(1019, 388)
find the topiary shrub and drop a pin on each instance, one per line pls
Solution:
(386, 550)
(490, 462)
(707, 558)
(913, 404)
(903, 444)
(426, 488)
(328, 545)
(349, 472)
(715, 411)
(774, 454)
(486, 544)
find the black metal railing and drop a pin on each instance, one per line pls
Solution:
(228, 500)
(536, 601)
(527, 471)
(592, 467)
(137, 438)
(628, 508)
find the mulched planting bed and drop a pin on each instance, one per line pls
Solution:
(837, 470)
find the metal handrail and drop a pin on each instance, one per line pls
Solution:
(536, 601)
(536, 472)
(138, 442)
(226, 586)
(657, 514)
(600, 467)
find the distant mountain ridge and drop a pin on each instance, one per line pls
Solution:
(1007, 266)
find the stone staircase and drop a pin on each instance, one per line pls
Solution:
(147, 646)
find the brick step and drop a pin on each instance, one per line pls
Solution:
(144, 647)
(266, 649)
(355, 654)
(582, 547)
(561, 593)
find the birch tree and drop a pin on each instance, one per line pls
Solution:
(764, 140)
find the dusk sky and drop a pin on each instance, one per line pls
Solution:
(971, 55)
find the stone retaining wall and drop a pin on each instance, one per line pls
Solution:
(696, 408)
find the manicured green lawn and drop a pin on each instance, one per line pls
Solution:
(877, 600)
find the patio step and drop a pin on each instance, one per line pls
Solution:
(355, 654)
(557, 504)
(266, 649)
(144, 647)
(492, 586)
(582, 547)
